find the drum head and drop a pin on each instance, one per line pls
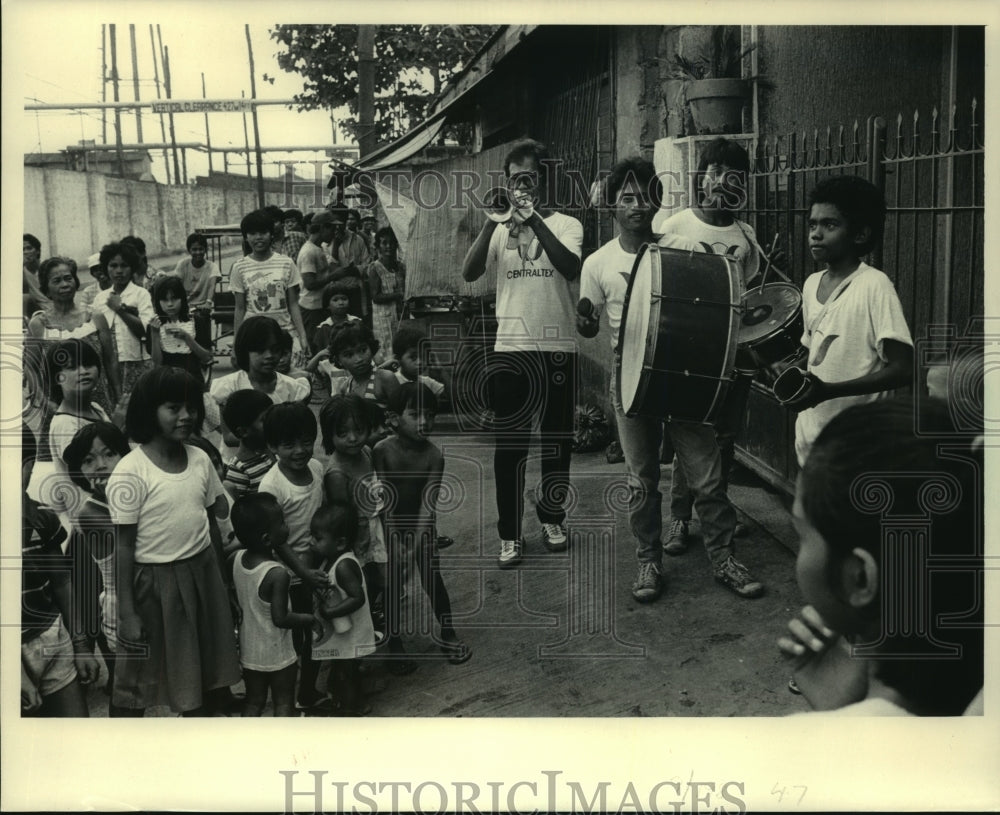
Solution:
(768, 310)
(635, 328)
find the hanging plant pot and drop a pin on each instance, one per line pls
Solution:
(717, 104)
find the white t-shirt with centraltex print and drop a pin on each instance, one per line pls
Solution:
(536, 309)
(847, 342)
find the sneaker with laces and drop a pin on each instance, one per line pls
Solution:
(648, 583)
(735, 576)
(677, 538)
(510, 553)
(554, 537)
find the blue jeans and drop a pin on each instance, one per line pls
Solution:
(698, 458)
(728, 426)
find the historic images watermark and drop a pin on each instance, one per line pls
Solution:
(320, 791)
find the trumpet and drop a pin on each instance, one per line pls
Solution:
(501, 203)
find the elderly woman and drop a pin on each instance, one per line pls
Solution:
(63, 319)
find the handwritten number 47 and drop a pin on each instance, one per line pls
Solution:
(780, 792)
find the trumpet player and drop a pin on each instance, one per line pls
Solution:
(535, 253)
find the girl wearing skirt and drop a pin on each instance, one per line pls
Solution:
(175, 628)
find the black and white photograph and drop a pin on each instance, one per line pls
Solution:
(622, 380)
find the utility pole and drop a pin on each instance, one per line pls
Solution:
(104, 83)
(246, 138)
(366, 89)
(114, 88)
(156, 77)
(135, 83)
(208, 138)
(256, 127)
(170, 117)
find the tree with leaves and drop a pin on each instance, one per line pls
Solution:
(412, 65)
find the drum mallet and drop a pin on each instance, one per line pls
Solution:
(767, 266)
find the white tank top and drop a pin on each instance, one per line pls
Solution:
(360, 640)
(263, 646)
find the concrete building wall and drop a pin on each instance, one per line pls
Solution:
(75, 213)
(831, 75)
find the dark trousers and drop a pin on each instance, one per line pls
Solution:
(526, 384)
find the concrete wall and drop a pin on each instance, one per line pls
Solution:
(830, 75)
(74, 213)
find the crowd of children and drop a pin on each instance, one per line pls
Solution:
(208, 542)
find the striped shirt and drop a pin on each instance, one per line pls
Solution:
(243, 477)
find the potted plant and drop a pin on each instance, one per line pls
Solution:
(711, 83)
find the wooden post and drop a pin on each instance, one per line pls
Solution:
(366, 89)
(135, 82)
(246, 138)
(170, 117)
(256, 126)
(104, 84)
(114, 88)
(156, 78)
(208, 138)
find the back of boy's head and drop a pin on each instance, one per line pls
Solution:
(725, 151)
(257, 221)
(197, 239)
(156, 387)
(351, 335)
(859, 201)
(336, 521)
(412, 395)
(342, 287)
(170, 284)
(869, 468)
(287, 423)
(407, 337)
(255, 334)
(252, 517)
(83, 441)
(337, 410)
(243, 408)
(637, 169)
(68, 355)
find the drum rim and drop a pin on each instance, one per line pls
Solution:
(736, 293)
(790, 320)
(643, 381)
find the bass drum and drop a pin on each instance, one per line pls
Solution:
(677, 342)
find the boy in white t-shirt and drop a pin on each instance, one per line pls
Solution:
(266, 283)
(535, 256)
(858, 341)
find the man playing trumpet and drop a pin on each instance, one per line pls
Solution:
(535, 254)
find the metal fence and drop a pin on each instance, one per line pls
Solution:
(931, 171)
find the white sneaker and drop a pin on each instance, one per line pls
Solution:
(510, 553)
(554, 537)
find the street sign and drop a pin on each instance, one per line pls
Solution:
(203, 106)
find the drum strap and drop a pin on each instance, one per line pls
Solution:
(834, 296)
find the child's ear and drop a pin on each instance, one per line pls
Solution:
(860, 578)
(391, 418)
